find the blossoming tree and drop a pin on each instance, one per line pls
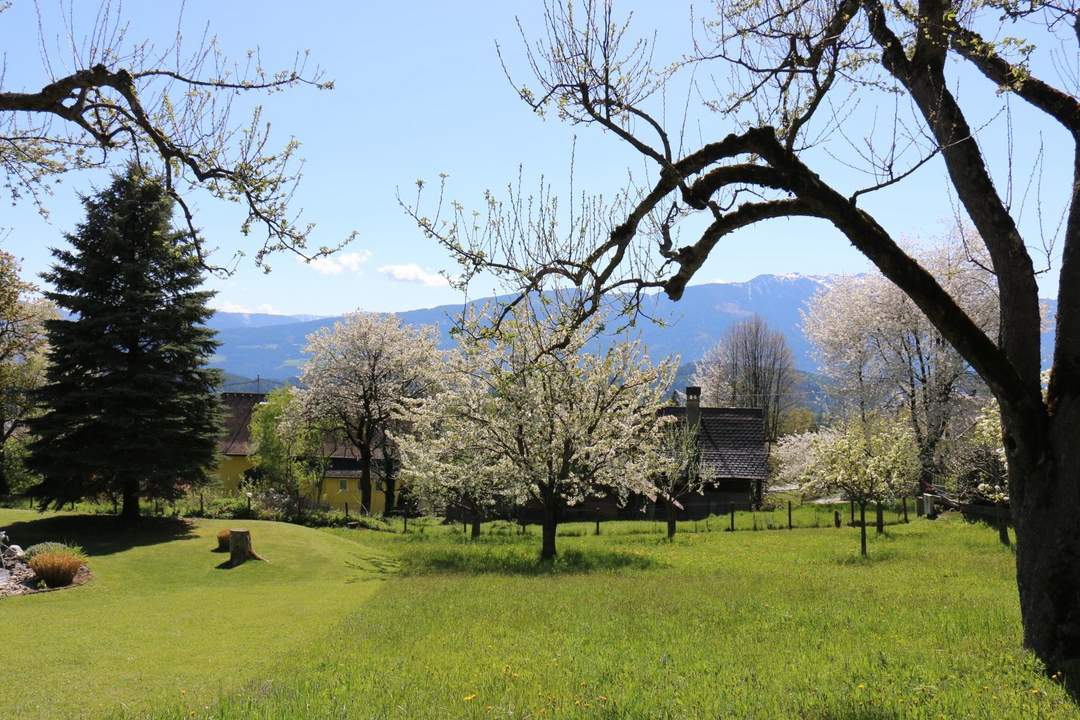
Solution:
(359, 374)
(866, 462)
(880, 352)
(529, 420)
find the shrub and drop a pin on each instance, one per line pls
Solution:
(56, 568)
(53, 547)
(223, 540)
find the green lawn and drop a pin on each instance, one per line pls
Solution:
(159, 624)
(769, 624)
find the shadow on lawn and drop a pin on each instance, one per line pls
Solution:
(504, 560)
(99, 534)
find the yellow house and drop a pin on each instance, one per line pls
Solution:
(341, 489)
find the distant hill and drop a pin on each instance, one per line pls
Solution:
(691, 326)
(272, 346)
(228, 320)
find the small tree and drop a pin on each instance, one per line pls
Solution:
(866, 463)
(359, 375)
(678, 462)
(291, 454)
(130, 405)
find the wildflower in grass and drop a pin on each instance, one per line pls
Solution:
(470, 697)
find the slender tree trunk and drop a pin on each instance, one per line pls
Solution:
(1003, 530)
(862, 528)
(391, 486)
(670, 520)
(5, 484)
(475, 534)
(129, 511)
(365, 479)
(879, 519)
(551, 523)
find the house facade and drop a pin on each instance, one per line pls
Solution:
(341, 488)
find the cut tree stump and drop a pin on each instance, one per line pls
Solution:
(240, 547)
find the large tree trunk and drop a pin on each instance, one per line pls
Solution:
(475, 532)
(1045, 498)
(365, 479)
(129, 511)
(551, 523)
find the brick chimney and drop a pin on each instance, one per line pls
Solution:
(693, 406)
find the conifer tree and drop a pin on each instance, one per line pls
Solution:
(130, 408)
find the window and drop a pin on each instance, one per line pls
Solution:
(343, 484)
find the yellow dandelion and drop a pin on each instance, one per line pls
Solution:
(470, 697)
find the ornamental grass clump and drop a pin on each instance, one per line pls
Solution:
(57, 568)
(50, 546)
(223, 540)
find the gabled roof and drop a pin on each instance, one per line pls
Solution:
(731, 441)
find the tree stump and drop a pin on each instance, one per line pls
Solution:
(240, 547)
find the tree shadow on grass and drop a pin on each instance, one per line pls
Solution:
(503, 560)
(99, 534)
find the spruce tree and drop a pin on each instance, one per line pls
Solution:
(130, 409)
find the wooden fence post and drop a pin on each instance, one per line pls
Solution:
(788, 514)
(836, 518)
(731, 516)
(346, 510)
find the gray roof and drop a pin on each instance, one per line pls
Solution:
(732, 442)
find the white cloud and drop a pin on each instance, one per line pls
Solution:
(341, 262)
(413, 273)
(231, 307)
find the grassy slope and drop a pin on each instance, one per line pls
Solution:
(160, 625)
(766, 625)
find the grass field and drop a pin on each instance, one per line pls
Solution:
(159, 624)
(769, 624)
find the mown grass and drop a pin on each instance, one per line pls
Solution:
(159, 625)
(714, 625)
(771, 624)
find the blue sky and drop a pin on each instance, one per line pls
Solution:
(419, 91)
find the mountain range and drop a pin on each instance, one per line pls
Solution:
(272, 346)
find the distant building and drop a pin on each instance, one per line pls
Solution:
(733, 463)
(733, 455)
(342, 477)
